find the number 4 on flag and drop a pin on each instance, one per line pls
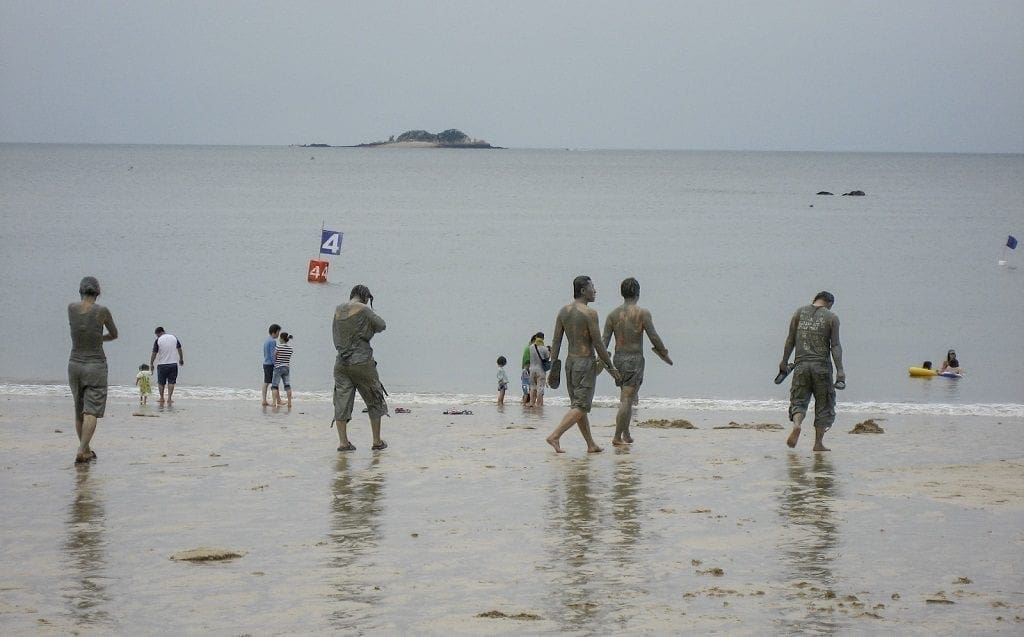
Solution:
(330, 242)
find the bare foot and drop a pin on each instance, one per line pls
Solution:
(554, 443)
(266, 404)
(820, 448)
(619, 443)
(594, 449)
(628, 438)
(793, 437)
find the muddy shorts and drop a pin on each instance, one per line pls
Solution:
(538, 379)
(88, 382)
(362, 378)
(813, 379)
(580, 374)
(631, 367)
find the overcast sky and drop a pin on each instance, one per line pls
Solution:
(891, 75)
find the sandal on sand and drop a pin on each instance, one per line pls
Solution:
(381, 446)
(348, 447)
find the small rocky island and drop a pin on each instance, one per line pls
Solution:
(451, 138)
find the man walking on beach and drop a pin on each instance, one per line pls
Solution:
(579, 323)
(168, 356)
(814, 334)
(269, 347)
(355, 323)
(628, 323)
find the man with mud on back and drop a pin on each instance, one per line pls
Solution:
(814, 334)
(579, 324)
(355, 323)
(628, 323)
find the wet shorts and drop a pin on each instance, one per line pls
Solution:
(813, 379)
(88, 382)
(167, 373)
(268, 373)
(282, 374)
(631, 367)
(362, 378)
(580, 374)
(538, 379)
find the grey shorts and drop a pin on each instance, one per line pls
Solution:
(580, 374)
(88, 382)
(282, 374)
(362, 378)
(631, 367)
(813, 379)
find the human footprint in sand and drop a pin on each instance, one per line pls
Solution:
(578, 323)
(355, 323)
(814, 335)
(628, 323)
(87, 365)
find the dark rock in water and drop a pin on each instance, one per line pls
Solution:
(854, 193)
(824, 192)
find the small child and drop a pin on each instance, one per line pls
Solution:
(525, 379)
(502, 379)
(144, 379)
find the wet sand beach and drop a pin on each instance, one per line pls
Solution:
(471, 525)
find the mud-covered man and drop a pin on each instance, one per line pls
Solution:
(355, 370)
(814, 335)
(628, 323)
(579, 324)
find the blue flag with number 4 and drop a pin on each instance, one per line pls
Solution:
(1011, 242)
(330, 242)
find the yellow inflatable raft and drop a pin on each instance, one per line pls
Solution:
(921, 371)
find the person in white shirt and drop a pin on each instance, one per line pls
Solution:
(167, 356)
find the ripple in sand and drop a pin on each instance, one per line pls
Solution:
(205, 555)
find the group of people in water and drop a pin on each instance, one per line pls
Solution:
(813, 338)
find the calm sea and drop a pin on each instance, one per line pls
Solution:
(470, 252)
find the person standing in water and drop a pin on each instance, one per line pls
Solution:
(167, 356)
(355, 323)
(579, 323)
(814, 335)
(269, 346)
(87, 365)
(628, 323)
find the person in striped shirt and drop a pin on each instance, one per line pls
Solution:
(282, 369)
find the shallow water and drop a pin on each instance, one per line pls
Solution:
(463, 515)
(468, 254)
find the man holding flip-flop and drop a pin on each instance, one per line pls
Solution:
(814, 334)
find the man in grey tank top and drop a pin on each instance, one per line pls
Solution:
(355, 370)
(814, 335)
(87, 364)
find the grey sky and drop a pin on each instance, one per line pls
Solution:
(901, 75)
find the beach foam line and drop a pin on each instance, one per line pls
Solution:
(1007, 410)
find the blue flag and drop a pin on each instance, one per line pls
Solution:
(1011, 242)
(330, 242)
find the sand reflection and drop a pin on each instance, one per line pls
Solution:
(809, 538)
(573, 513)
(356, 508)
(85, 548)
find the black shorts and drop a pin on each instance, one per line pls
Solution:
(167, 373)
(268, 373)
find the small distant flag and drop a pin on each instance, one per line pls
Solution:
(330, 241)
(1011, 242)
